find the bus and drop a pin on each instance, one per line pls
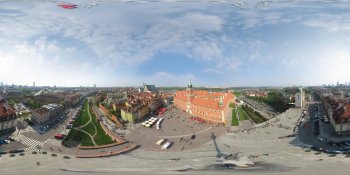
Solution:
(161, 141)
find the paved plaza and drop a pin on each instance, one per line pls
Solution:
(176, 126)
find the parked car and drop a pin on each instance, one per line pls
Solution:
(332, 151)
(11, 139)
(69, 126)
(2, 142)
(16, 151)
(167, 145)
(59, 136)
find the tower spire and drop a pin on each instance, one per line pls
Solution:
(221, 102)
(189, 83)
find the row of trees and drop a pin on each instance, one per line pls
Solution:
(275, 99)
(33, 104)
(254, 115)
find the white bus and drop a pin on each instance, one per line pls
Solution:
(161, 141)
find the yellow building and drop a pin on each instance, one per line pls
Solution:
(132, 116)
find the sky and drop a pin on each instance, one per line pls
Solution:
(219, 43)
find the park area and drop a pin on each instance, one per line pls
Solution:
(87, 131)
(235, 121)
(255, 116)
(243, 113)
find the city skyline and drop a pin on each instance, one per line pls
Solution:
(214, 44)
(4, 84)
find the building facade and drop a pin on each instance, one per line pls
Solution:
(46, 113)
(338, 111)
(132, 116)
(150, 88)
(210, 106)
(299, 99)
(8, 117)
(40, 115)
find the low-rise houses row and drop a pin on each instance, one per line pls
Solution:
(338, 111)
(46, 113)
(135, 104)
(65, 99)
(256, 93)
(139, 105)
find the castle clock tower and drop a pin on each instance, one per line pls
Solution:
(189, 90)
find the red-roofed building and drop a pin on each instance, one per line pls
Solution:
(338, 110)
(8, 118)
(210, 106)
(46, 113)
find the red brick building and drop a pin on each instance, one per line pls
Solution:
(210, 106)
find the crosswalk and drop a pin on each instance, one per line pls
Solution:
(33, 144)
(26, 130)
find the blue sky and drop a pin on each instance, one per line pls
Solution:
(279, 43)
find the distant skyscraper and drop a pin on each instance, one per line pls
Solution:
(34, 84)
(1, 84)
(338, 83)
(94, 85)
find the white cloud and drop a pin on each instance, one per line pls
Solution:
(224, 39)
(230, 64)
(333, 65)
(199, 22)
(125, 38)
(213, 71)
(41, 61)
(330, 22)
(38, 51)
(161, 79)
(71, 49)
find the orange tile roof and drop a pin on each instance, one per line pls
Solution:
(205, 98)
(5, 110)
(346, 113)
(41, 111)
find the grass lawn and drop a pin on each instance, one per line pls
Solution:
(234, 118)
(84, 116)
(101, 137)
(242, 114)
(89, 128)
(79, 137)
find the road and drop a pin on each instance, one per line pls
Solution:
(267, 111)
(29, 138)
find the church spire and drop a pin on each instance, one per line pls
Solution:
(221, 102)
(189, 84)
